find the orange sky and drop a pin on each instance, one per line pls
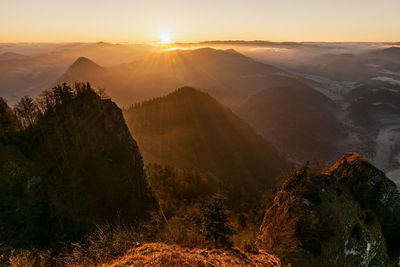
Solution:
(187, 21)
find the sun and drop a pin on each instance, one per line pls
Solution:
(165, 37)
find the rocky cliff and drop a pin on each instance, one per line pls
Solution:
(346, 216)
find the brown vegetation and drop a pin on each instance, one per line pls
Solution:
(159, 254)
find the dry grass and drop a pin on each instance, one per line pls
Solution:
(119, 246)
(183, 233)
(103, 246)
(27, 258)
(160, 254)
(277, 233)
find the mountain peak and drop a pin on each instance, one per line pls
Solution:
(84, 61)
(83, 69)
(347, 158)
(102, 43)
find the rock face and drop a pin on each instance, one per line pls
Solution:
(347, 216)
(75, 168)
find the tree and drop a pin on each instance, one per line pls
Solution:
(8, 121)
(63, 93)
(26, 110)
(215, 225)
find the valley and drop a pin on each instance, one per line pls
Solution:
(387, 155)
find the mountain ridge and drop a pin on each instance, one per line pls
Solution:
(188, 128)
(227, 75)
(296, 118)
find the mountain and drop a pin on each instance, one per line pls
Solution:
(353, 65)
(83, 68)
(225, 74)
(107, 54)
(41, 65)
(348, 215)
(299, 121)
(373, 105)
(74, 168)
(190, 129)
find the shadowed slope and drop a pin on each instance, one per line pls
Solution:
(298, 120)
(190, 129)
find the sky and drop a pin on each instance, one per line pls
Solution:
(144, 21)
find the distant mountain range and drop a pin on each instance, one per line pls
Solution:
(11, 56)
(137, 73)
(27, 74)
(257, 43)
(225, 74)
(74, 162)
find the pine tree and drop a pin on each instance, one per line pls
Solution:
(215, 225)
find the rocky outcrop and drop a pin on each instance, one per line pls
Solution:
(346, 216)
(75, 168)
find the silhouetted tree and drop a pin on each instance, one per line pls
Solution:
(63, 93)
(26, 110)
(8, 121)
